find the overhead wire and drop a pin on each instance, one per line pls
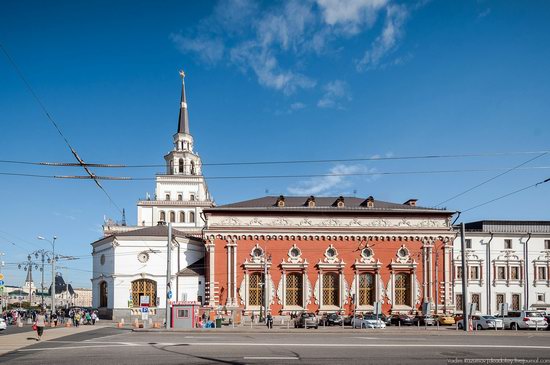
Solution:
(56, 126)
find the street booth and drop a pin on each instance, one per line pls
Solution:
(184, 314)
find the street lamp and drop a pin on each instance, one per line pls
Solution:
(52, 242)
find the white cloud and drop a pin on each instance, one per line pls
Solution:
(209, 50)
(335, 92)
(351, 15)
(387, 40)
(297, 106)
(337, 181)
(484, 13)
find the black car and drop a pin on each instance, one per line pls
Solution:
(331, 319)
(401, 320)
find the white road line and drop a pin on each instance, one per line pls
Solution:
(271, 358)
(75, 347)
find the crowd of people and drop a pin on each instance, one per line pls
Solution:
(77, 316)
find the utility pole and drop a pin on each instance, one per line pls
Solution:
(53, 259)
(465, 313)
(526, 264)
(27, 266)
(168, 273)
(488, 263)
(1, 286)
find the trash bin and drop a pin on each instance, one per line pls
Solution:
(218, 323)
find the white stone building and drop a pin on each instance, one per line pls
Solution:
(130, 262)
(506, 262)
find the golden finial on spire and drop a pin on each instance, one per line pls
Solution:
(182, 74)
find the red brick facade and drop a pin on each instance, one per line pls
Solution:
(336, 257)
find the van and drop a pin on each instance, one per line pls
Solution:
(524, 320)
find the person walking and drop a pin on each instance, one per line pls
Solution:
(40, 323)
(77, 319)
(94, 318)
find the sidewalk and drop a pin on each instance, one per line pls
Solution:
(16, 341)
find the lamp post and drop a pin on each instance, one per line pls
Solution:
(27, 266)
(52, 242)
(43, 254)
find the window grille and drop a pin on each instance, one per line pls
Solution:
(294, 289)
(144, 287)
(402, 289)
(255, 289)
(330, 289)
(366, 289)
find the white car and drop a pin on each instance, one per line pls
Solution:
(367, 322)
(2, 324)
(486, 322)
(525, 320)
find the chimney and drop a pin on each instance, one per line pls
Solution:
(411, 202)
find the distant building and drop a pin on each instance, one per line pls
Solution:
(506, 262)
(129, 262)
(82, 297)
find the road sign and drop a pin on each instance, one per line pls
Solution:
(144, 309)
(169, 295)
(144, 301)
(1, 276)
(1, 282)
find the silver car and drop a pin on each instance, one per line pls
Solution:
(524, 320)
(487, 322)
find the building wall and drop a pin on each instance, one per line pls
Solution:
(83, 297)
(428, 262)
(537, 288)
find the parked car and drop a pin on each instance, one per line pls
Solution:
(2, 324)
(484, 322)
(445, 320)
(306, 320)
(331, 319)
(367, 322)
(524, 320)
(401, 320)
(424, 321)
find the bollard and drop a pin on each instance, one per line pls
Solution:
(437, 324)
(536, 325)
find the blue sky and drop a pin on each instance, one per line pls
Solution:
(270, 81)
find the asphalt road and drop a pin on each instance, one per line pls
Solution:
(390, 346)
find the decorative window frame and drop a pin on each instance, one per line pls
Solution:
(542, 261)
(471, 260)
(252, 265)
(294, 264)
(367, 265)
(403, 264)
(508, 258)
(336, 265)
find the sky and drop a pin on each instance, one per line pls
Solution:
(358, 81)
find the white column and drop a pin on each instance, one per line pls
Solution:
(283, 280)
(392, 294)
(342, 290)
(235, 297)
(212, 269)
(320, 288)
(246, 284)
(229, 277)
(424, 272)
(430, 273)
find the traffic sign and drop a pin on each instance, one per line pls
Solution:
(1, 282)
(144, 309)
(169, 295)
(1, 276)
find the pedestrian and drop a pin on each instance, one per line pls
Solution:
(269, 321)
(40, 324)
(88, 318)
(77, 319)
(252, 317)
(54, 319)
(94, 318)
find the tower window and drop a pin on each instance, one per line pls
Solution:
(182, 217)
(192, 197)
(180, 197)
(193, 171)
(162, 216)
(192, 217)
(172, 217)
(181, 166)
(167, 197)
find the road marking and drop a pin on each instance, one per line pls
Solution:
(271, 358)
(75, 347)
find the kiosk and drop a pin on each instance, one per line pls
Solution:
(184, 314)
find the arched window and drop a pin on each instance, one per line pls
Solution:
(294, 289)
(172, 217)
(180, 197)
(191, 217)
(103, 294)
(255, 289)
(403, 289)
(171, 166)
(162, 216)
(181, 166)
(167, 196)
(144, 287)
(182, 217)
(193, 172)
(367, 289)
(331, 289)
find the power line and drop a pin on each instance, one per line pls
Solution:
(280, 162)
(507, 195)
(52, 121)
(412, 172)
(491, 179)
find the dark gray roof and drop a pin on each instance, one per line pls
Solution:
(508, 226)
(322, 203)
(154, 231)
(183, 119)
(195, 269)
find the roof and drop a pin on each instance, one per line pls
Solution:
(197, 268)
(153, 231)
(324, 203)
(508, 226)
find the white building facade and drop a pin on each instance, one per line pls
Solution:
(130, 262)
(506, 262)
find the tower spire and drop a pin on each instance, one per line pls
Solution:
(183, 123)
